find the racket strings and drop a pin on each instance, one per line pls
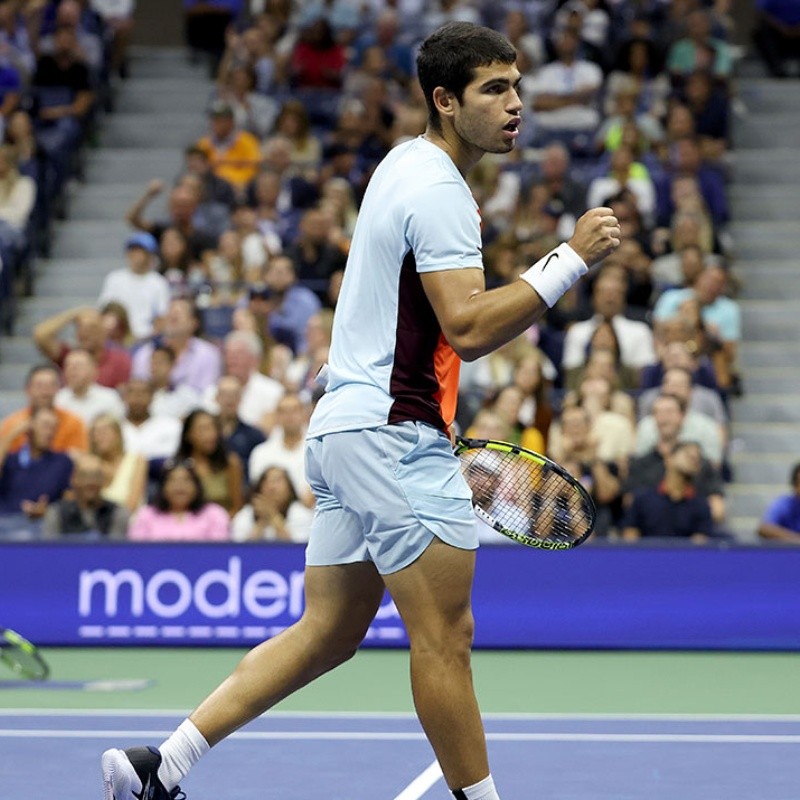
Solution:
(525, 496)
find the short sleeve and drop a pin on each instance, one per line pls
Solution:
(443, 228)
(776, 513)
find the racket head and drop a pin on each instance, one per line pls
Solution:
(22, 656)
(526, 496)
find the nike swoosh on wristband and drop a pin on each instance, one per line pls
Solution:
(551, 256)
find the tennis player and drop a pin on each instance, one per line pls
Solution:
(392, 508)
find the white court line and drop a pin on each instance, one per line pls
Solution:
(645, 738)
(421, 783)
(409, 715)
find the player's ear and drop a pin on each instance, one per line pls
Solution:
(444, 101)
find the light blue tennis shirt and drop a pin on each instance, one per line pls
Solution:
(389, 361)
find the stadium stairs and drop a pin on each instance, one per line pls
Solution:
(765, 207)
(158, 111)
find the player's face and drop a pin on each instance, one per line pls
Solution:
(489, 116)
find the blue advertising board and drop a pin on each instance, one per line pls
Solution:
(225, 594)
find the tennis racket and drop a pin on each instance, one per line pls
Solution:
(525, 496)
(23, 657)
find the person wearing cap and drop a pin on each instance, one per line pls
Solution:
(142, 291)
(235, 155)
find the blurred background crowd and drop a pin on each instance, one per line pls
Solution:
(176, 406)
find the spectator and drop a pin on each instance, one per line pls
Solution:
(243, 353)
(781, 521)
(143, 292)
(676, 352)
(220, 471)
(285, 446)
(176, 264)
(647, 470)
(151, 436)
(239, 437)
(41, 387)
(625, 172)
(86, 511)
(699, 50)
(608, 303)
(274, 513)
(385, 35)
(179, 511)
(89, 45)
(113, 363)
(198, 163)
(301, 373)
(611, 431)
(565, 91)
(678, 269)
(710, 108)
(253, 112)
(639, 64)
(205, 23)
(694, 427)
(15, 40)
(124, 471)
(32, 475)
(673, 509)
(17, 198)
(720, 314)
(576, 445)
(508, 404)
(183, 213)
(316, 259)
(117, 16)
(293, 123)
(82, 395)
(64, 98)
(235, 155)
(317, 61)
(777, 35)
(685, 159)
(291, 304)
(625, 112)
(169, 400)
(198, 363)
(603, 362)
(679, 381)
(117, 328)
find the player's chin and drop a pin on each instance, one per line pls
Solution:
(504, 146)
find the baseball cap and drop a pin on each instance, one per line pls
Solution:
(144, 240)
(219, 108)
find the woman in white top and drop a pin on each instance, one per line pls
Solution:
(274, 513)
(17, 196)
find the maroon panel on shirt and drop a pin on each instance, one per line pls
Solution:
(413, 384)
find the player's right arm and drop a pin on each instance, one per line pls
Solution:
(476, 321)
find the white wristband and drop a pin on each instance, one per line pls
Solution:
(552, 275)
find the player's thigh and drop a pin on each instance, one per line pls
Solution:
(342, 599)
(433, 594)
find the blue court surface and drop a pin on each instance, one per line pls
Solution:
(48, 754)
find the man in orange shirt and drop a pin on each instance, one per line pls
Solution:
(41, 387)
(235, 155)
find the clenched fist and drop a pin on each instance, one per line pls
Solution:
(596, 235)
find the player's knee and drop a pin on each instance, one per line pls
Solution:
(451, 637)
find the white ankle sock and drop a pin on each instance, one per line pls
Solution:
(484, 790)
(180, 753)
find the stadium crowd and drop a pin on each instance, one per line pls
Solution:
(176, 407)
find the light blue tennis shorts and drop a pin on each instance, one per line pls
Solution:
(383, 494)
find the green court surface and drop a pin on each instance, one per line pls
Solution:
(512, 681)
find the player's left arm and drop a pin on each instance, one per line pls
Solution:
(476, 321)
